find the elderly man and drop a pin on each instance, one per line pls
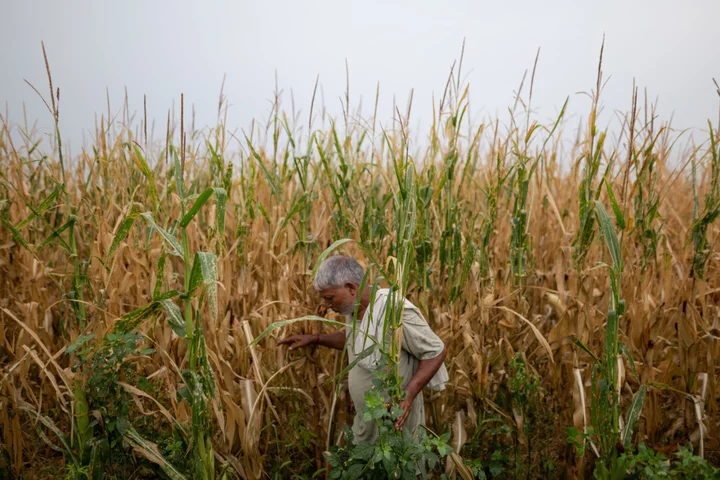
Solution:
(421, 360)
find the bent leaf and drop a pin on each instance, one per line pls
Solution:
(285, 323)
(47, 203)
(199, 202)
(121, 234)
(609, 234)
(633, 414)
(205, 272)
(56, 233)
(175, 318)
(177, 248)
(148, 450)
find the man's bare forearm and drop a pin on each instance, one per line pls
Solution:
(426, 370)
(334, 340)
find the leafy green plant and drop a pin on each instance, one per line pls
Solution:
(397, 453)
(489, 453)
(648, 464)
(711, 210)
(200, 284)
(647, 203)
(605, 382)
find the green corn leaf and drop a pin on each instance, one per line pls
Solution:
(47, 203)
(623, 348)
(296, 207)
(52, 427)
(147, 172)
(263, 212)
(365, 353)
(167, 295)
(17, 236)
(47, 441)
(56, 233)
(268, 176)
(221, 197)
(160, 275)
(587, 350)
(609, 234)
(175, 318)
(121, 234)
(197, 205)
(179, 184)
(205, 272)
(148, 449)
(619, 217)
(131, 320)
(177, 248)
(327, 252)
(285, 323)
(611, 340)
(633, 414)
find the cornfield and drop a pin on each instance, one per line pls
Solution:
(137, 276)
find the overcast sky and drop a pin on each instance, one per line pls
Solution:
(163, 48)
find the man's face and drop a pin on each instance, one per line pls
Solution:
(340, 299)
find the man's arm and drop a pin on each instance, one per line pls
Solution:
(425, 371)
(334, 340)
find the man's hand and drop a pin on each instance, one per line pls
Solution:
(299, 341)
(406, 406)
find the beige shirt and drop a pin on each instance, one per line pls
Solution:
(419, 343)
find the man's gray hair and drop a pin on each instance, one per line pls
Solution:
(336, 271)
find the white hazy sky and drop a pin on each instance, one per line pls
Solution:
(163, 48)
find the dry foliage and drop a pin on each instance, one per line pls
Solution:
(292, 194)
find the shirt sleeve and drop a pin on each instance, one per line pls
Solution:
(418, 338)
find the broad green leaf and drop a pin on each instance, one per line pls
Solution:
(147, 172)
(167, 295)
(285, 323)
(263, 212)
(221, 199)
(609, 234)
(268, 176)
(177, 248)
(587, 350)
(17, 236)
(365, 353)
(197, 205)
(121, 234)
(633, 414)
(52, 427)
(160, 275)
(623, 348)
(47, 203)
(205, 272)
(148, 449)
(619, 217)
(179, 183)
(47, 441)
(56, 233)
(131, 320)
(175, 318)
(327, 252)
(296, 207)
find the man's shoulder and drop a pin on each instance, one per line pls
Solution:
(381, 295)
